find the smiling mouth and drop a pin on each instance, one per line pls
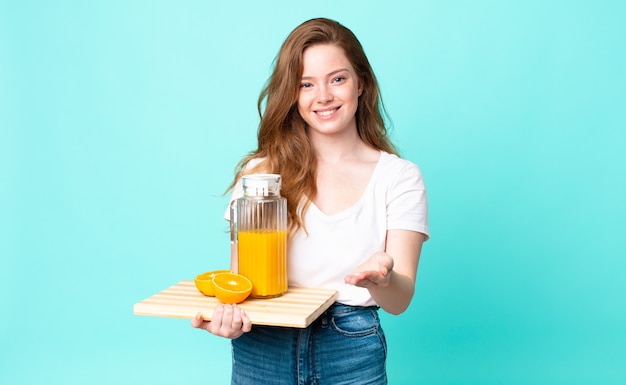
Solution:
(327, 112)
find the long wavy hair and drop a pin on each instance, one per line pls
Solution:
(283, 145)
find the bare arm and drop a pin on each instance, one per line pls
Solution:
(390, 275)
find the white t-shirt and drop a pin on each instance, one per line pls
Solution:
(395, 198)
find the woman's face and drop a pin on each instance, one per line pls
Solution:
(329, 90)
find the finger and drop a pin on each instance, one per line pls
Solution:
(247, 324)
(232, 322)
(197, 321)
(357, 279)
(241, 321)
(216, 319)
(368, 279)
(351, 279)
(237, 322)
(227, 320)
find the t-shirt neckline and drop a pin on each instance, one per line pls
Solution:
(348, 210)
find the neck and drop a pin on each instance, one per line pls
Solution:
(337, 148)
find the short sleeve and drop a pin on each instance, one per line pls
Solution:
(407, 205)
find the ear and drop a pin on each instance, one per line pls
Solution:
(360, 89)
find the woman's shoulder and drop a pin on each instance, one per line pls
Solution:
(251, 165)
(395, 173)
(392, 162)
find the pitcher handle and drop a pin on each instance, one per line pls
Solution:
(234, 249)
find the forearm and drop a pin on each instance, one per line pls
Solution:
(396, 296)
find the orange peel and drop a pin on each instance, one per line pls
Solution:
(231, 288)
(204, 281)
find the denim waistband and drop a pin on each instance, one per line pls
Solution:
(339, 308)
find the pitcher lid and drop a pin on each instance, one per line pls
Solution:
(261, 184)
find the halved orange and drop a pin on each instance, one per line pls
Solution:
(231, 287)
(204, 281)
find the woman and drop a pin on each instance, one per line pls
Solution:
(357, 214)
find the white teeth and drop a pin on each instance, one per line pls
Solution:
(326, 113)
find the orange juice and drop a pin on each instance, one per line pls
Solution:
(263, 260)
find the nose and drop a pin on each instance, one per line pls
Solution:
(324, 94)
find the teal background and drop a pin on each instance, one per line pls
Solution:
(121, 122)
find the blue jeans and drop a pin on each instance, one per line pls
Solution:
(345, 345)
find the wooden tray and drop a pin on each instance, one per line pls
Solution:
(299, 307)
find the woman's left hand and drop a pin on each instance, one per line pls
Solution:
(373, 273)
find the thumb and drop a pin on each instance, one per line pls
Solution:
(197, 321)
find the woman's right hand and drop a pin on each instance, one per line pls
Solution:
(228, 321)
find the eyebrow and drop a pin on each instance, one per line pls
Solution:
(328, 74)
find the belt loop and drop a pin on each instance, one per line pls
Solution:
(326, 316)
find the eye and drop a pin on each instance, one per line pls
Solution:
(306, 85)
(339, 79)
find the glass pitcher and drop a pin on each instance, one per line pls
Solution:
(259, 234)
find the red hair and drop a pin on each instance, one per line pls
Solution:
(283, 145)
